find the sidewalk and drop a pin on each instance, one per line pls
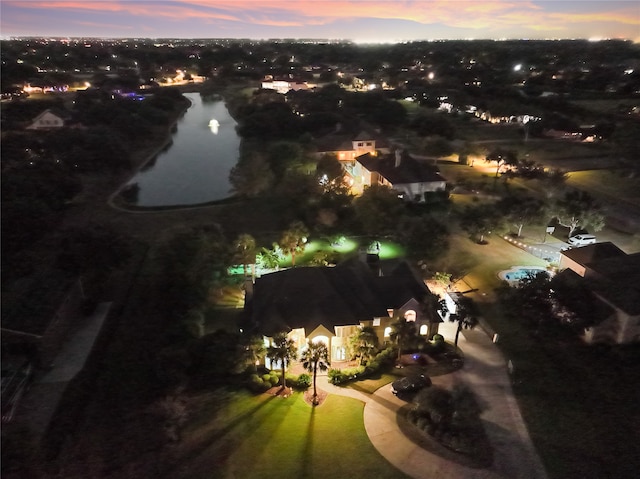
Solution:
(42, 400)
(485, 371)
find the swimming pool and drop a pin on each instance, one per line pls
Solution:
(516, 273)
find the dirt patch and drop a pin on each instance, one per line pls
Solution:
(319, 399)
(280, 391)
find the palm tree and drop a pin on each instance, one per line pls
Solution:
(465, 316)
(364, 344)
(282, 350)
(254, 349)
(294, 239)
(401, 333)
(315, 357)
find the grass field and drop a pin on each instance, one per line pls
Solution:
(266, 437)
(610, 184)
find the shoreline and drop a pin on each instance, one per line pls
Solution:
(149, 157)
(115, 200)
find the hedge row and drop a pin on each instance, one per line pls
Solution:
(261, 383)
(383, 360)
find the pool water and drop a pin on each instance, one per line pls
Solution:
(516, 274)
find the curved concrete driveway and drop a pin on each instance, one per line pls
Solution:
(485, 371)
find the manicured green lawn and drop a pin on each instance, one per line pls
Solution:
(272, 437)
(371, 385)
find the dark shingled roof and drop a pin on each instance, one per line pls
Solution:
(620, 281)
(343, 141)
(612, 274)
(592, 253)
(410, 170)
(307, 297)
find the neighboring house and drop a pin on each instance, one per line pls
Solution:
(284, 86)
(49, 119)
(399, 171)
(347, 146)
(614, 279)
(330, 304)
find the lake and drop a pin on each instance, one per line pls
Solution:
(195, 167)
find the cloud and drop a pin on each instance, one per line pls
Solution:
(492, 16)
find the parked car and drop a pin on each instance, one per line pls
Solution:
(581, 240)
(410, 384)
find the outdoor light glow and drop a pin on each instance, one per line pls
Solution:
(214, 125)
(517, 68)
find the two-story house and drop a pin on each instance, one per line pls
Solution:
(399, 171)
(330, 304)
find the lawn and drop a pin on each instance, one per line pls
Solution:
(607, 184)
(272, 437)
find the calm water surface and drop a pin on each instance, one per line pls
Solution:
(195, 168)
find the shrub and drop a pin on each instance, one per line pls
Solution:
(337, 377)
(438, 338)
(256, 384)
(304, 381)
(274, 379)
(266, 378)
(292, 380)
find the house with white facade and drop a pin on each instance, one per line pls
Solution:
(399, 171)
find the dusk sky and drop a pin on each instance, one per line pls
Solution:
(358, 20)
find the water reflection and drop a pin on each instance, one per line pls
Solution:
(195, 167)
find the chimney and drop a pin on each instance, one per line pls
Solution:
(398, 157)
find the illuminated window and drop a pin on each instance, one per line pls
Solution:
(410, 316)
(387, 331)
(376, 321)
(423, 330)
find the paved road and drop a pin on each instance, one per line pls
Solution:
(485, 371)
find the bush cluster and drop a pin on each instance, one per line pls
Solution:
(450, 417)
(383, 360)
(259, 383)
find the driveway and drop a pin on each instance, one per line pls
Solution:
(485, 371)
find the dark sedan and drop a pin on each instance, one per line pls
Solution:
(410, 384)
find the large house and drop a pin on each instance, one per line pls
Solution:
(399, 171)
(613, 277)
(330, 304)
(347, 146)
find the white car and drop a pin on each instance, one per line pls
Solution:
(581, 240)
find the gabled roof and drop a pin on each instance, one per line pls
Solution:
(620, 281)
(62, 114)
(592, 253)
(307, 297)
(340, 140)
(409, 170)
(614, 275)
